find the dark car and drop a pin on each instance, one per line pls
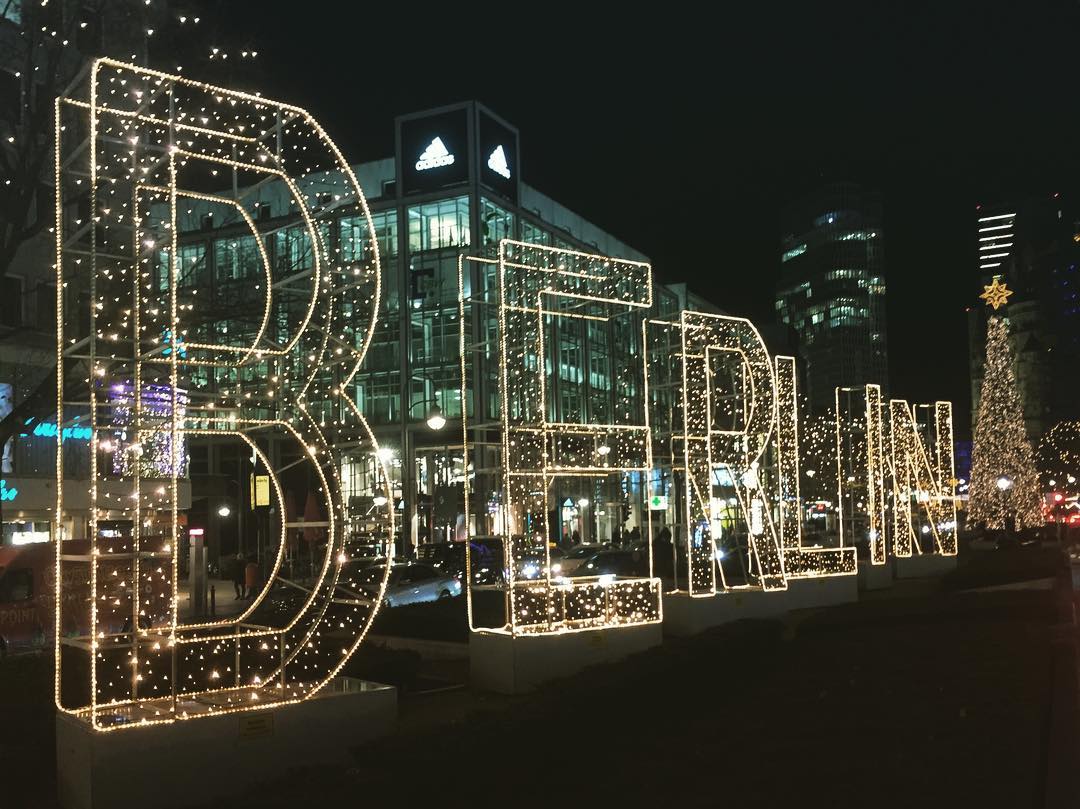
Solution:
(446, 557)
(614, 563)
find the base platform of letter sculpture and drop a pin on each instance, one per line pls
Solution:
(876, 577)
(924, 566)
(685, 616)
(217, 758)
(516, 664)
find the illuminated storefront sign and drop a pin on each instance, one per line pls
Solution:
(77, 432)
(7, 494)
(497, 162)
(435, 155)
(497, 152)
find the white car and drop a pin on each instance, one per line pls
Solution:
(410, 584)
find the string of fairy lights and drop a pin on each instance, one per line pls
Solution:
(1004, 481)
(896, 474)
(536, 290)
(267, 361)
(144, 158)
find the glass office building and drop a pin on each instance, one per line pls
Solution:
(831, 291)
(453, 188)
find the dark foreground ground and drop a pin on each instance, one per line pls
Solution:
(928, 697)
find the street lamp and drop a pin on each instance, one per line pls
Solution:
(435, 418)
(224, 511)
(1004, 483)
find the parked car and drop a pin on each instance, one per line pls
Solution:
(575, 558)
(613, 563)
(531, 565)
(446, 557)
(409, 584)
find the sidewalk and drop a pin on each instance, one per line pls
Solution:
(225, 602)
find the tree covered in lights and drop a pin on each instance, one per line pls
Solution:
(1004, 481)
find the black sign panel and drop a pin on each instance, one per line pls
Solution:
(434, 151)
(498, 149)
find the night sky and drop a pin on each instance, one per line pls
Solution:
(683, 134)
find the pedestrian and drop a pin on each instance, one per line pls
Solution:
(575, 538)
(238, 576)
(251, 578)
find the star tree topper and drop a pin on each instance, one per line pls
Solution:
(996, 294)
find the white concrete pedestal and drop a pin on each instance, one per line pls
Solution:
(876, 577)
(514, 664)
(924, 565)
(212, 758)
(685, 616)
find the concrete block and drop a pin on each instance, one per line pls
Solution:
(876, 577)
(215, 758)
(515, 664)
(924, 566)
(685, 616)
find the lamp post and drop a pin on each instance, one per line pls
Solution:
(435, 422)
(1004, 483)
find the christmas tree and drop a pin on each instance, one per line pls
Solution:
(1004, 483)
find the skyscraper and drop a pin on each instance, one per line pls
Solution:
(832, 289)
(1033, 246)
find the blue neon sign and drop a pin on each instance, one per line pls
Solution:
(77, 432)
(6, 493)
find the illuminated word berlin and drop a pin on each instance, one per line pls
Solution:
(264, 359)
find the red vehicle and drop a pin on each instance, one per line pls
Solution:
(26, 596)
(27, 593)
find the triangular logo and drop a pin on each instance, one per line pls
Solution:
(497, 163)
(435, 155)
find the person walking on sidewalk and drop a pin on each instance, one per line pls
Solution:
(251, 578)
(238, 576)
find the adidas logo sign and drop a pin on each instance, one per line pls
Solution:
(435, 155)
(497, 163)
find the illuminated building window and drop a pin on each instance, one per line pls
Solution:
(292, 247)
(496, 223)
(353, 236)
(793, 252)
(11, 10)
(435, 225)
(534, 234)
(236, 258)
(190, 267)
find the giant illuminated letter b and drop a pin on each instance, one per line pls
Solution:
(216, 286)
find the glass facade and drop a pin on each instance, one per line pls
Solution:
(832, 290)
(414, 360)
(437, 225)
